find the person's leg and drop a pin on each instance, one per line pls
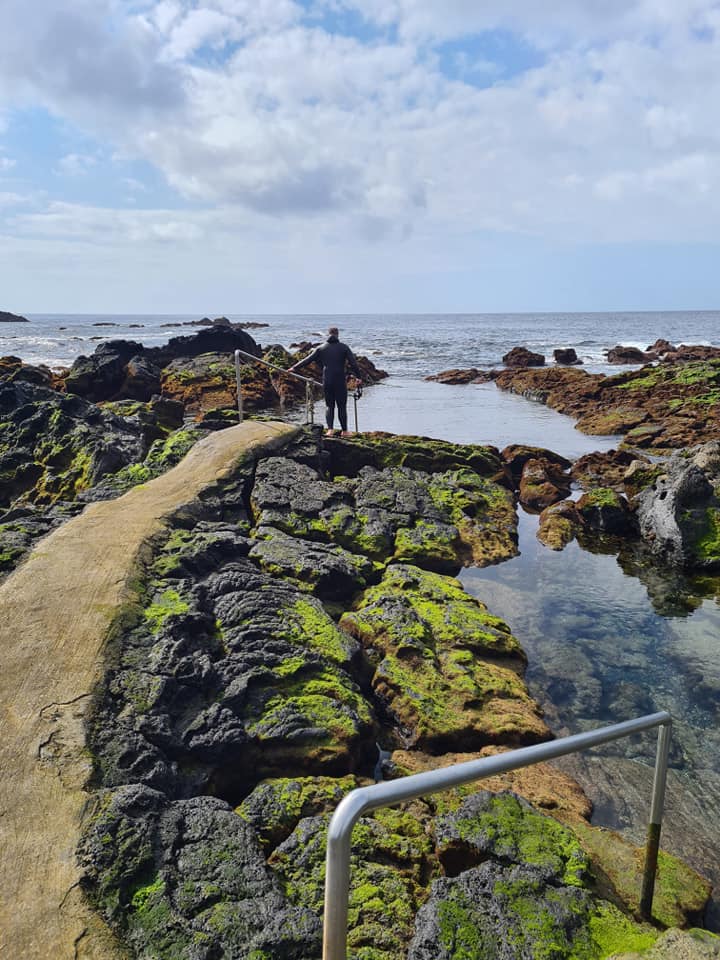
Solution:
(341, 396)
(329, 405)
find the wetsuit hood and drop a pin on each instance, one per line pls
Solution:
(333, 338)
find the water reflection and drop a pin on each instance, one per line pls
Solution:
(611, 636)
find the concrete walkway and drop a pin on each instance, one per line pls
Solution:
(56, 611)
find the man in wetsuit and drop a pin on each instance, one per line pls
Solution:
(332, 357)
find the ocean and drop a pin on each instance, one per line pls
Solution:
(608, 637)
(406, 345)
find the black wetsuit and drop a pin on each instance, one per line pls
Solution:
(332, 357)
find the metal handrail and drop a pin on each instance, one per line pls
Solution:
(309, 382)
(364, 799)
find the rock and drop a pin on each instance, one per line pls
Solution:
(381, 450)
(142, 380)
(663, 407)
(327, 570)
(522, 357)
(559, 524)
(566, 356)
(541, 484)
(441, 521)
(660, 346)
(179, 877)
(607, 469)
(6, 317)
(61, 445)
(473, 375)
(679, 514)
(685, 352)
(607, 511)
(503, 826)
(678, 945)
(276, 807)
(448, 672)
(204, 383)
(101, 376)
(620, 354)
(516, 455)
(506, 912)
(391, 859)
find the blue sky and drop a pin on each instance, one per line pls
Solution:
(340, 156)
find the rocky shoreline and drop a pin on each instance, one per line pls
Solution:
(302, 614)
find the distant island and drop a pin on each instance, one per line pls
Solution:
(6, 317)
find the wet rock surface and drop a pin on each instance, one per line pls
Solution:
(658, 408)
(233, 685)
(679, 513)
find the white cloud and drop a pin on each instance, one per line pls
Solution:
(319, 141)
(76, 164)
(6, 163)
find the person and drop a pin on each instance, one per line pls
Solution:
(332, 357)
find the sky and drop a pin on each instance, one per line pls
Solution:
(347, 156)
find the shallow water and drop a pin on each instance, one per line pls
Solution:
(476, 413)
(610, 637)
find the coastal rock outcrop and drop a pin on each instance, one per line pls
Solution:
(657, 408)
(679, 512)
(6, 317)
(522, 357)
(566, 356)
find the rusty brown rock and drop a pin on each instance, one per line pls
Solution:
(608, 469)
(542, 483)
(559, 524)
(472, 375)
(522, 357)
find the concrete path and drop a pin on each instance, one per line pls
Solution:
(55, 616)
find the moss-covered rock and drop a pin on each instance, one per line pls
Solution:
(391, 864)
(448, 672)
(506, 828)
(275, 807)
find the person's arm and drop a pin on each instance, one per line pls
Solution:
(353, 364)
(313, 355)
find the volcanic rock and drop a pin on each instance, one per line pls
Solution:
(621, 354)
(522, 357)
(566, 356)
(6, 317)
(679, 513)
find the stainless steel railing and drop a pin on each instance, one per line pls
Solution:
(309, 384)
(364, 799)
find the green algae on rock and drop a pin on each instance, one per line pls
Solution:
(391, 864)
(448, 672)
(438, 521)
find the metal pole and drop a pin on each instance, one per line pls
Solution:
(238, 380)
(655, 824)
(389, 792)
(355, 402)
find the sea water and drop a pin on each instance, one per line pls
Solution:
(608, 635)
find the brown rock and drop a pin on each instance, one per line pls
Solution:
(566, 356)
(621, 354)
(516, 455)
(558, 524)
(473, 375)
(541, 484)
(522, 357)
(607, 469)
(660, 346)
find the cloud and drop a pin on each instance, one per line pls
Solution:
(85, 60)
(76, 164)
(352, 139)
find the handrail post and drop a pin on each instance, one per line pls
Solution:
(238, 381)
(390, 792)
(337, 879)
(655, 824)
